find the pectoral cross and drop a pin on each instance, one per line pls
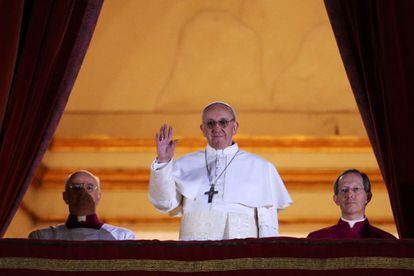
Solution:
(211, 193)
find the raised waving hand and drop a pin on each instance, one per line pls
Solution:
(165, 144)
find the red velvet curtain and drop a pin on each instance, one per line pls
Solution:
(376, 42)
(42, 45)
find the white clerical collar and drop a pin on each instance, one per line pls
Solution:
(352, 222)
(81, 218)
(229, 150)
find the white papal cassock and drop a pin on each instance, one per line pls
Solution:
(250, 193)
(61, 232)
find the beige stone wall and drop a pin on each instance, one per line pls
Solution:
(20, 226)
(154, 61)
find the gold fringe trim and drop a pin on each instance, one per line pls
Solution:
(208, 265)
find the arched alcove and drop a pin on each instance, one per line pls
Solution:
(152, 62)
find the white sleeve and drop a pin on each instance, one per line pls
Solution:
(129, 235)
(267, 222)
(162, 190)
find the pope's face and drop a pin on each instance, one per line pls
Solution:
(217, 135)
(352, 197)
(82, 194)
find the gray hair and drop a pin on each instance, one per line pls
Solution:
(365, 180)
(210, 105)
(98, 181)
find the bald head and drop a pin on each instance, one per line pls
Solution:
(85, 173)
(82, 193)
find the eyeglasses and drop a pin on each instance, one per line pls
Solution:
(355, 190)
(89, 187)
(223, 123)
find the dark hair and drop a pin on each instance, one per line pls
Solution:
(365, 180)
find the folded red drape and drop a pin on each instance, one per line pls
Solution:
(377, 47)
(42, 47)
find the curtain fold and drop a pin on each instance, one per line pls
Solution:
(377, 48)
(44, 47)
(11, 13)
